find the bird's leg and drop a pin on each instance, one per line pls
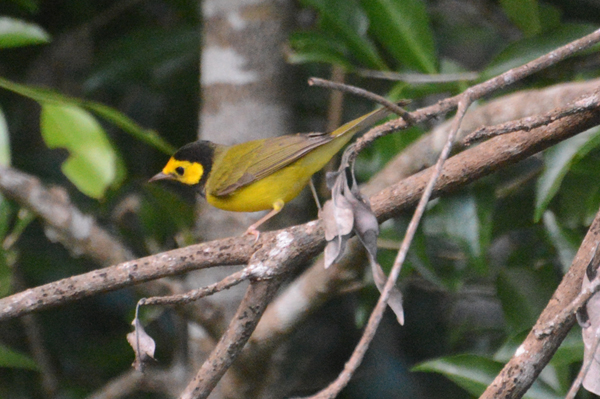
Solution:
(277, 207)
(314, 193)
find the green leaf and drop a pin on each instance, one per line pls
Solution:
(6, 274)
(8, 255)
(570, 350)
(456, 216)
(525, 14)
(6, 214)
(404, 29)
(317, 47)
(17, 33)
(147, 55)
(528, 49)
(126, 124)
(164, 214)
(382, 150)
(121, 120)
(474, 373)
(577, 202)
(347, 22)
(466, 219)
(91, 165)
(12, 359)
(35, 93)
(524, 293)
(550, 16)
(557, 162)
(508, 349)
(566, 243)
(31, 6)
(4, 141)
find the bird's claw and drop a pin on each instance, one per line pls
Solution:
(254, 232)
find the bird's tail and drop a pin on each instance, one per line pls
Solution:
(361, 123)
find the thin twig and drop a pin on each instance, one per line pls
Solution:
(537, 349)
(480, 90)
(486, 132)
(423, 152)
(585, 367)
(357, 91)
(336, 100)
(569, 310)
(36, 344)
(344, 377)
(464, 101)
(508, 79)
(267, 266)
(255, 301)
(418, 78)
(317, 284)
(13, 186)
(460, 170)
(126, 274)
(182, 299)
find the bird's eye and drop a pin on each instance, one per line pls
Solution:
(179, 170)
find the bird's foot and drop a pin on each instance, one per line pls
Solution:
(253, 232)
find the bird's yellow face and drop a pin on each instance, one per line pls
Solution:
(190, 165)
(185, 172)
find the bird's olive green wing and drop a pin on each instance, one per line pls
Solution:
(251, 161)
(245, 163)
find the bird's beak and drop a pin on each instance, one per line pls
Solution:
(160, 176)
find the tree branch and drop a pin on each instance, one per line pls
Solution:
(586, 102)
(308, 240)
(78, 232)
(305, 240)
(255, 301)
(538, 348)
(424, 152)
(480, 90)
(229, 251)
(316, 285)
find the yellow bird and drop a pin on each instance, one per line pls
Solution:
(261, 174)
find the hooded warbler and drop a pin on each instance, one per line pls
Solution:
(260, 174)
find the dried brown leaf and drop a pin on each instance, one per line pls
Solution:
(590, 323)
(338, 219)
(143, 345)
(348, 210)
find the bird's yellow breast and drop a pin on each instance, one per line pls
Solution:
(260, 195)
(283, 185)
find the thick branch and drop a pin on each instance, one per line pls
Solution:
(65, 223)
(424, 152)
(317, 284)
(272, 260)
(526, 124)
(307, 241)
(536, 351)
(255, 301)
(229, 251)
(482, 89)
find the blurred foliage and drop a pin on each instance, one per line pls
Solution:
(485, 260)
(17, 33)
(104, 79)
(507, 239)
